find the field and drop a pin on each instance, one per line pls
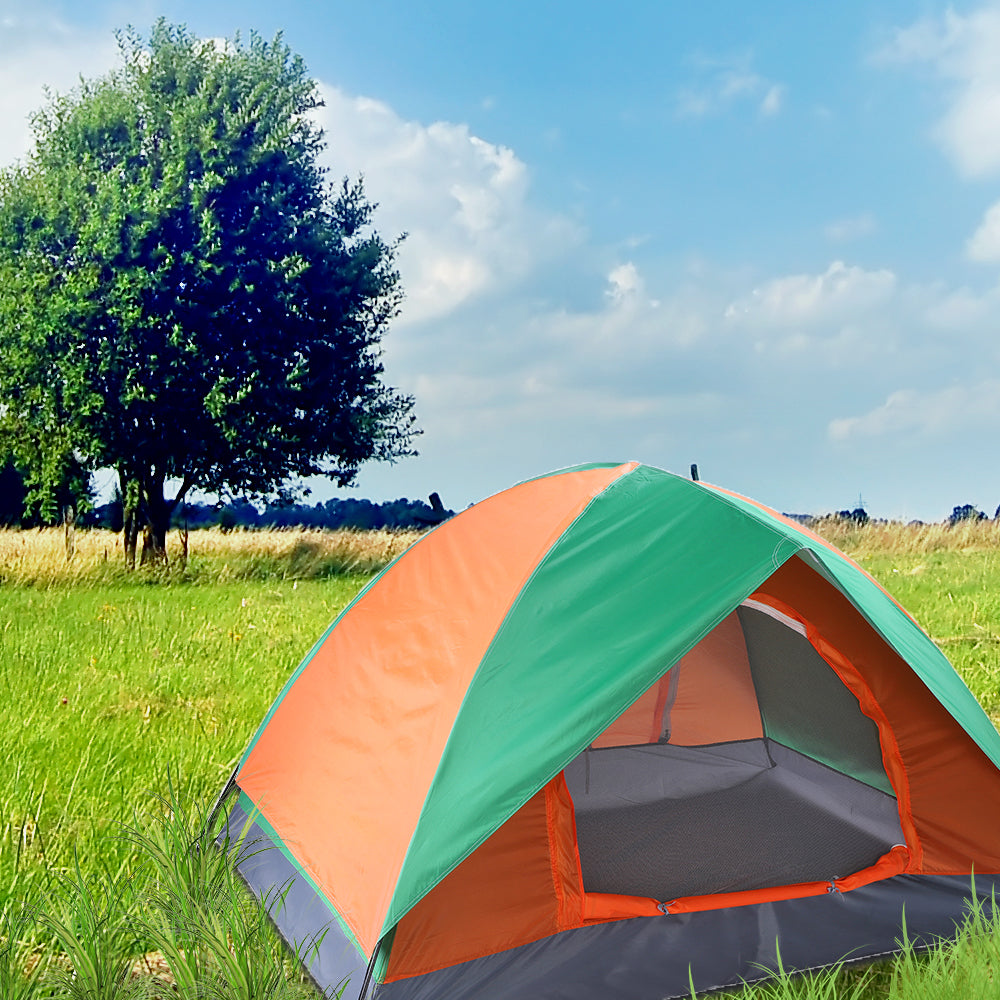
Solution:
(125, 701)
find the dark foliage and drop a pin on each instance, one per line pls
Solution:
(859, 515)
(332, 515)
(966, 512)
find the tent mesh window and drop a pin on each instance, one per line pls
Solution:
(807, 800)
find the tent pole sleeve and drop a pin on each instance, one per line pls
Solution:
(371, 967)
(220, 801)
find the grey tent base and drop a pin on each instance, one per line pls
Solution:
(649, 958)
(301, 916)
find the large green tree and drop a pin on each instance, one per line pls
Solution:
(184, 297)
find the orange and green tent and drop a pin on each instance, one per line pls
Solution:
(607, 734)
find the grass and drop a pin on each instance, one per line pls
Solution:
(179, 896)
(38, 558)
(109, 694)
(118, 688)
(102, 689)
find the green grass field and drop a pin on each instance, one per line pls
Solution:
(104, 689)
(116, 692)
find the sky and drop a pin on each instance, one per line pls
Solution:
(763, 238)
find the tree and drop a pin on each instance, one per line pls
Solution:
(27, 507)
(184, 298)
(965, 512)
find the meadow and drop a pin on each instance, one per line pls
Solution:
(126, 699)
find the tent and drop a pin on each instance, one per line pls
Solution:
(607, 730)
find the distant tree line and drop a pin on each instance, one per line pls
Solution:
(959, 514)
(360, 515)
(18, 510)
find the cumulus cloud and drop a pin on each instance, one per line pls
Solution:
(624, 282)
(674, 366)
(814, 299)
(961, 49)
(462, 201)
(984, 244)
(938, 412)
(631, 334)
(816, 345)
(722, 84)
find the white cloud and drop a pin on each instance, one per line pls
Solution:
(39, 51)
(750, 380)
(950, 311)
(723, 84)
(814, 299)
(813, 345)
(962, 50)
(773, 100)
(463, 202)
(629, 331)
(624, 281)
(984, 244)
(952, 410)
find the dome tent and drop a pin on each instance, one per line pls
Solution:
(605, 730)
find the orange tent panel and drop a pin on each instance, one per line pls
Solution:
(522, 884)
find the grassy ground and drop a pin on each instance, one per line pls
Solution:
(103, 689)
(116, 688)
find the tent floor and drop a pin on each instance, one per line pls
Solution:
(666, 822)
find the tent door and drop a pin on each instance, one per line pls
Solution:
(748, 766)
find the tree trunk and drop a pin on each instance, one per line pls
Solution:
(146, 509)
(128, 491)
(69, 524)
(130, 534)
(146, 555)
(184, 541)
(154, 533)
(154, 543)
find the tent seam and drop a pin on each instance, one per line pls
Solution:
(258, 816)
(630, 467)
(783, 540)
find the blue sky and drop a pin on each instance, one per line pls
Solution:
(760, 237)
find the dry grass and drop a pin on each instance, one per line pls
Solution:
(39, 558)
(896, 538)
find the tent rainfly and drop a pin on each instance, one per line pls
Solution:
(607, 730)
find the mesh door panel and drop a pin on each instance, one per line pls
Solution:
(805, 705)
